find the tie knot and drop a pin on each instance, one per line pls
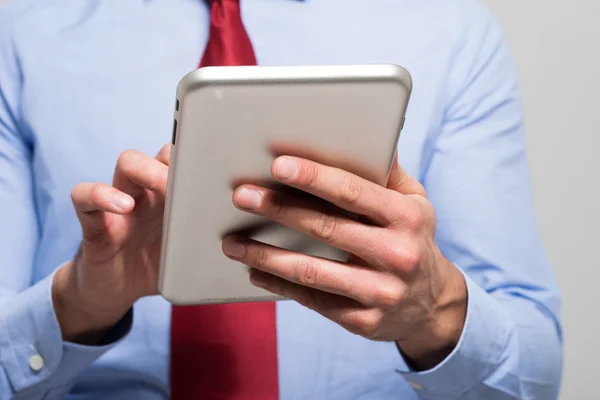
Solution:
(228, 42)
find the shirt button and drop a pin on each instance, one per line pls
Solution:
(415, 385)
(36, 362)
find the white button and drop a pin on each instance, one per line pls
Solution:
(415, 385)
(36, 362)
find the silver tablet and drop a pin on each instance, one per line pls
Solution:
(230, 124)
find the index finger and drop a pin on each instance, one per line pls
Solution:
(344, 189)
(137, 171)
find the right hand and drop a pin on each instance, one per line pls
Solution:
(117, 262)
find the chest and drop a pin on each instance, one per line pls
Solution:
(104, 81)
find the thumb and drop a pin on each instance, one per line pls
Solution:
(164, 155)
(400, 181)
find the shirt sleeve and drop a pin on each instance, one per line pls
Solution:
(34, 361)
(478, 181)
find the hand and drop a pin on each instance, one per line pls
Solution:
(395, 286)
(117, 262)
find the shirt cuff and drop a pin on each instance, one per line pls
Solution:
(480, 350)
(33, 352)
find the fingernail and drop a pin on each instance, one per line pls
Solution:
(121, 201)
(249, 199)
(233, 249)
(286, 169)
(258, 280)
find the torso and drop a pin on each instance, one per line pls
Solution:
(101, 78)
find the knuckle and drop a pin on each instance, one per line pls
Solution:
(93, 197)
(389, 296)
(96, 236)
(96, 193)
(350, 189)
(415, 218)
(126, 159)
(393, 208)
(324, 226)
(411, 258)
(261, 258)
(405, 258)
(368, 325)
(307, 272)
(310, 174)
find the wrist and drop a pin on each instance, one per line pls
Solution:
(435, 340)
(79, 322)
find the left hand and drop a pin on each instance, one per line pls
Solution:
(395, 286)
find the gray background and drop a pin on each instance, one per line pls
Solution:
(556, 44)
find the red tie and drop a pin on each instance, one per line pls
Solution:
(225, 351)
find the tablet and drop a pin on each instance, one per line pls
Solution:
(230, 124)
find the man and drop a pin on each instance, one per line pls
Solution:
(448, 294)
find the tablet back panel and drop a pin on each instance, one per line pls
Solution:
(231, 123)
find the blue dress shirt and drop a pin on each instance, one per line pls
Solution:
(83, 80)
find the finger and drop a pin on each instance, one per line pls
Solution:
(364, 285)
(314, 220)
(137, 171)
(90, 197)
(92, 200)
(346, 312)
(345, 190)
(164, 155)
(401, 182)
